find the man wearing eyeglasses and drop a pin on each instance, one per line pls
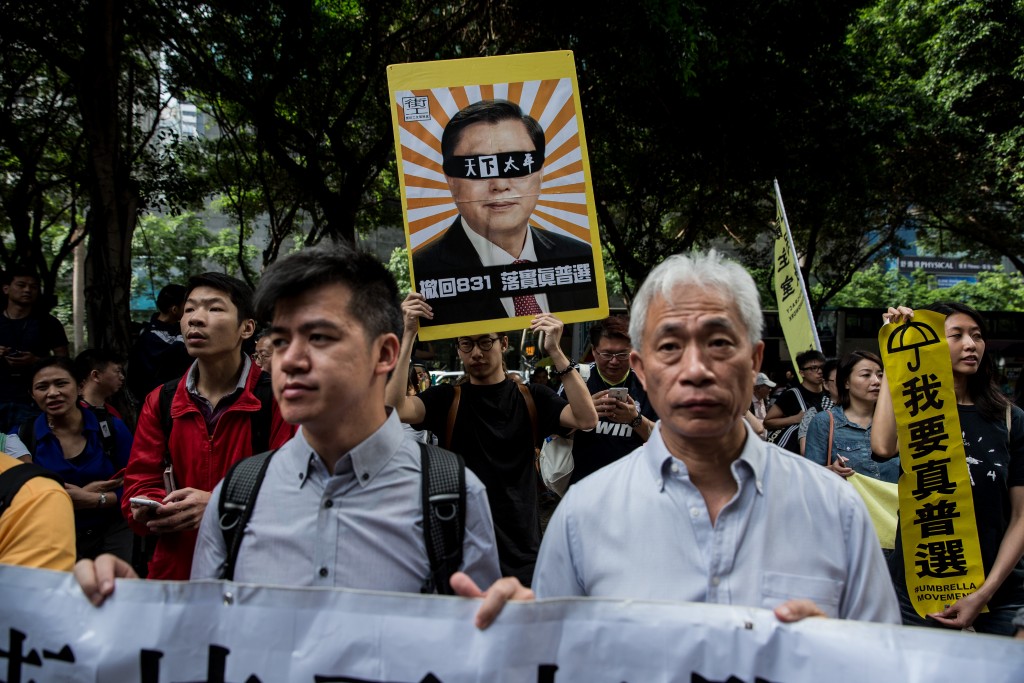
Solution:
(491, 425)
(789, 409)
(624, 424)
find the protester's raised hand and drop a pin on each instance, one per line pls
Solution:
(495, 597)
(413, 308)
(96, 577)
(552, 328)
(897, 314)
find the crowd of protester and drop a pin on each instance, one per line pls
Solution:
(693, 469)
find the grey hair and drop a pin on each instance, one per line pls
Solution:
(707, 271)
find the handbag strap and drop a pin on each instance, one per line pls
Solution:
(831, 433)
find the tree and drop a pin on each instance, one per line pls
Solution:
(949, 76)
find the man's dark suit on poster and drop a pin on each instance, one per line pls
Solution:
(454, 254)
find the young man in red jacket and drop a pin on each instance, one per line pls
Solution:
(211, 416)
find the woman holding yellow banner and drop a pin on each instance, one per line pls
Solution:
(993, 440)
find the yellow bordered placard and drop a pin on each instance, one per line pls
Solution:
(469, 209)
(795, 316)
(941, 552)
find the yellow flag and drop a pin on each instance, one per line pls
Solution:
(790, 292)
(941, 552)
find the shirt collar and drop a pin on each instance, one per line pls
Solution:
(492, 255)
(192, 379)
(368, 458)
(752, 460)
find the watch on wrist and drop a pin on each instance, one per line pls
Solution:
(103, 499)
(637, 421)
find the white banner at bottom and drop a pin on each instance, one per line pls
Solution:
(215, 632)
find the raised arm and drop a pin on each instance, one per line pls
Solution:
(580, 413)
(410, 408)
(883, 423)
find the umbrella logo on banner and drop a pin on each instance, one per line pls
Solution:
(912, 337)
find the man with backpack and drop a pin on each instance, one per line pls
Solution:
(496, 424)
(783, 418)
(191, 431)
(37, 523)
(351, 500)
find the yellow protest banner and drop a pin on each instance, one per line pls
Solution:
(940, 545)
(790, 293)
(497, 199)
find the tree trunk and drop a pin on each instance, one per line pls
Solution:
(114, 201)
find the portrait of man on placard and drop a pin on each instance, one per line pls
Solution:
(493, 260)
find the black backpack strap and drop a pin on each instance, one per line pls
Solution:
(261, 422)
(444, 515)
(164, 406)
(13, 479)
(238, 495)
(27, 434)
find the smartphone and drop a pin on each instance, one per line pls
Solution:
(145, 502)
(619, 393)
(169, 483)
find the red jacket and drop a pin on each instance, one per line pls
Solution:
(200, 461)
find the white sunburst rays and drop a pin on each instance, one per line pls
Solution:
(560, 98)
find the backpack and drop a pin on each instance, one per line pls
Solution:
(444, 511)
(108, 439)
(13, 479)
(259, 427)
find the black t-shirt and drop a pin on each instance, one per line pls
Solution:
(996, 464)
(790, 405)
(609, 441)
(35, 334)
(494, 435)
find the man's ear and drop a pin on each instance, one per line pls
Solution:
(504, 343)
(387, 353)
(636, 362)
(248, 328)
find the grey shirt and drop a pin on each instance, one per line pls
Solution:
(361, 527)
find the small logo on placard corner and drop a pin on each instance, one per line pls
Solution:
(416, 108)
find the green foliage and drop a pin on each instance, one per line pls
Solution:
(878, 288)
(398, 264)
(167, 249)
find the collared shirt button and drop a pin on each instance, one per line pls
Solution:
(323, 571)
(301, 476)
(695, 512)
(715, 581)
(328, 503)
(365, 476)
(675, 469)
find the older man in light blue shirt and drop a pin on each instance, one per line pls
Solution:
(705, 511)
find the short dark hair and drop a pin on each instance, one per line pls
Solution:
(613, 327)
(982, 385)
(374, 301)
(845, 369)
(239, 292)
(94, 359)
(62, 362)
(20, 270)
(804, 357)
(170, 296)
(830, 365)
(488, 111)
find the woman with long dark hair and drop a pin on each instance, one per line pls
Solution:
(993, 435)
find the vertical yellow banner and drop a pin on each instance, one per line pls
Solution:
(790, 293)
(940, 545)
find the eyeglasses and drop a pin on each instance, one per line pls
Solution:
(485, 344)
(813, 368)
(263, 355)
(607, 355)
